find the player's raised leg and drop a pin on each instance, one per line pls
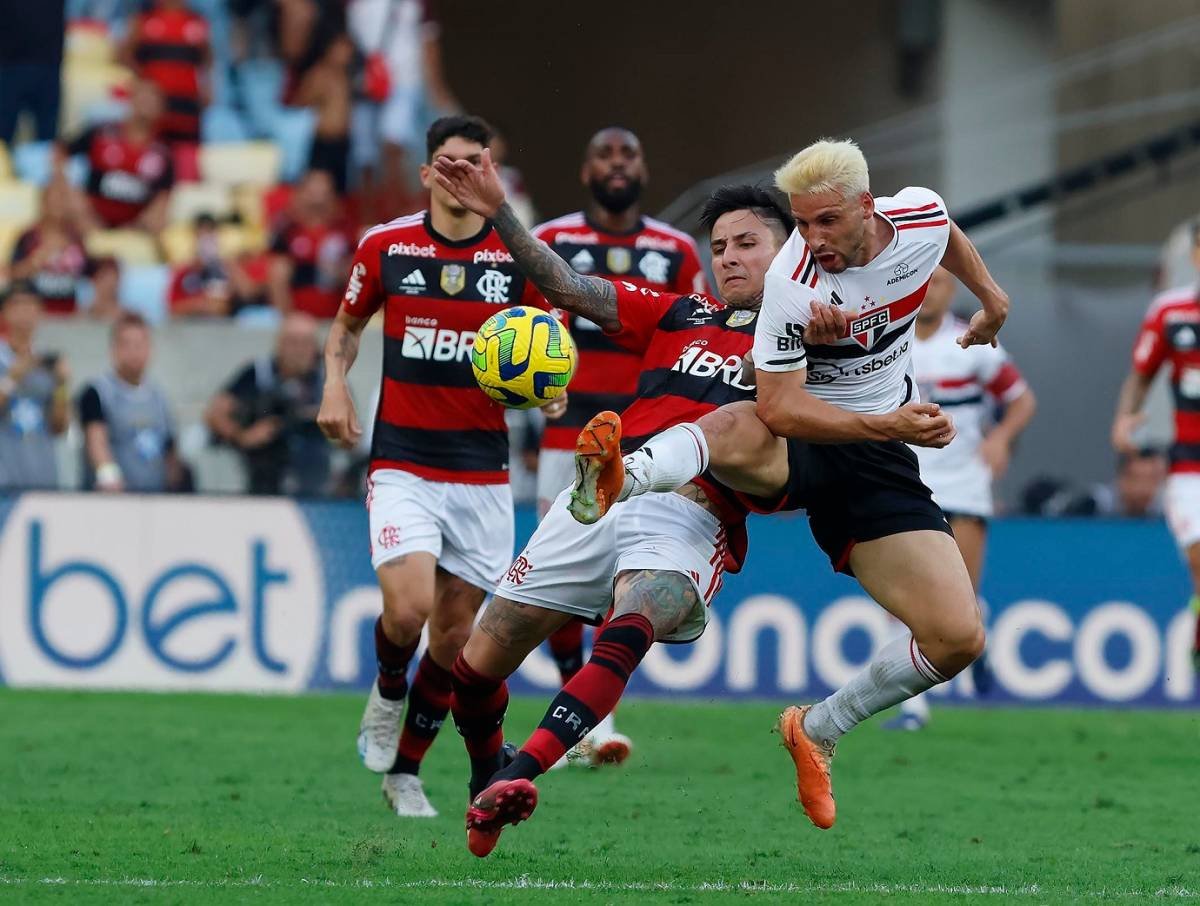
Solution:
(919, 577)
(648, 604)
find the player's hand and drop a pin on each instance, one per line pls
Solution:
(827, 324)
(995, 453)
(337, 419)
(982, 330)
(476, 186)
(749, 377)
(261, 433)
(922, 424)
(556, 408)
(1123, 429)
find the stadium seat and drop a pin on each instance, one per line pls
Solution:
(178, 243)
(130, 247)
(237, 163)
(88, 42)
(89, 93)
(6, 172)
(18, 203)
(292, 130)
(143, 288)
(191, 198)
(248, 200)
(261, 316)
(222, 124)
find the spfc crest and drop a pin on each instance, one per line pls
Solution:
(454, 278)
(619, 260)
(867, 330)
(741, 318)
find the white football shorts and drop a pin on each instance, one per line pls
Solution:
(467, 527)
(1181, 501)
(570, 567)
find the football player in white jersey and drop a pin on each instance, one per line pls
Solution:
(970, 384)
(836, 397)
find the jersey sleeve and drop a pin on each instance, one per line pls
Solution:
(1150, 348)
(90, 408)
(639, 310)
(691, 277)
(364, 290)
(779, 337)
(998, 376)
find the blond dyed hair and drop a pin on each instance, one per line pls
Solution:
(825, 166)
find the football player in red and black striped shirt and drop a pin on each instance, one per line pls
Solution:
(439, 503)
(657, 568)
(611, 238)
(169, 44)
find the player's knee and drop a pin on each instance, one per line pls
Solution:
(955, 646)
(402, 623)
(447, 637)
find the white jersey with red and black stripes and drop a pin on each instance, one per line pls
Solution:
(870, 368)
(967, 384)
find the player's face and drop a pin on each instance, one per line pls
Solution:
(938, 297)
(743, 247)
(834, 227)
(456, 148)
(614, 169)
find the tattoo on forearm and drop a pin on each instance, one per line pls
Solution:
(343, 349)
(663, 598)
(590, 297)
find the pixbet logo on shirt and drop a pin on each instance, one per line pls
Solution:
(412, 249)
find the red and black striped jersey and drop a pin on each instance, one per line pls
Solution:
(171, 49)
(317, 253)
(433, 420)
(655, 255)
(1170, 333)
(691, 363)
(124, 176)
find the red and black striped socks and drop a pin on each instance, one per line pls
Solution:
(428, 704)
(478, 704)
(393, 661)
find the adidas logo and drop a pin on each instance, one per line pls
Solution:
(416, 278)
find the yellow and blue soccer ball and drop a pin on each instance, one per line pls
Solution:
(523, 357)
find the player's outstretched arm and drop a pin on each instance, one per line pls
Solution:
(789, 410)
(337, 419)
(478, 188)
(963, 261)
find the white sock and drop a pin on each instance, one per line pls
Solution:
(666, 462)
(604, 729)
(898, 671)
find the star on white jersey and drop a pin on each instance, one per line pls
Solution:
(869, 369)
(965, 383)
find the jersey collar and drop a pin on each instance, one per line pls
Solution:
(456, 243)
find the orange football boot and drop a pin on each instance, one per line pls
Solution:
(599, 468)
(813, 786)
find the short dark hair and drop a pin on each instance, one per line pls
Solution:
(472, 128)
(763, 202)
(127, 319)
(1141, 454)
(19, 288)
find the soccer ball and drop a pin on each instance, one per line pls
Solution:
(523, 358)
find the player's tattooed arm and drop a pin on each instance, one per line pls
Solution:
(664, 598)
(591, 297)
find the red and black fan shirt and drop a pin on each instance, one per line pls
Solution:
(318, 254)
(124, 176)
(656, 256)
(433, 420)
(691, 350)
(1170, 334)
(171, 48)
(58, 279)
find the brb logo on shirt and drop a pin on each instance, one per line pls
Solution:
(434, 344)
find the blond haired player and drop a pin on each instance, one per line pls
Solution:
(836, 403)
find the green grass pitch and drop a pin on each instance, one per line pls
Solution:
(220, 799)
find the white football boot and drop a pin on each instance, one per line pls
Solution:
(379, 732)
(405, 796)
(604, 745)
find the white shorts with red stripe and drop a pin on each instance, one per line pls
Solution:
(1181, 501)
(571, 567)
(467, 527)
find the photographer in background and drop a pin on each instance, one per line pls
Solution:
(128, 431)
(34, 405)
(268, 413)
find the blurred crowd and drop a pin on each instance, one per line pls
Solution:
(186, 160)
